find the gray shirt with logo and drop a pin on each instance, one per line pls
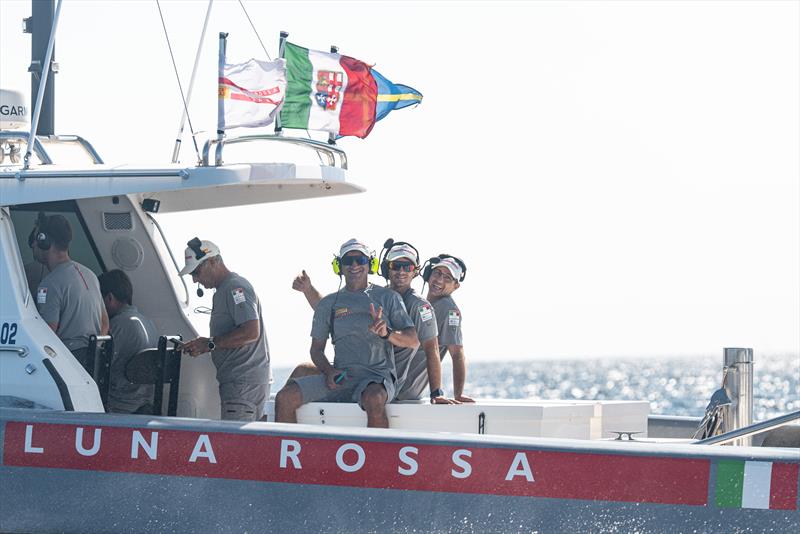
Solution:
(405, 359)
(70, 297)
(133, 332)
(448, 321)
(235, 303)
(345, 316)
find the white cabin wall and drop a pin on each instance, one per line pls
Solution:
(154, 294)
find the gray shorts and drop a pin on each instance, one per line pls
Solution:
(243, 402)
(315, 389)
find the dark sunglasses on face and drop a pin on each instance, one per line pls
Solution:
(357, 260)
(404, 266)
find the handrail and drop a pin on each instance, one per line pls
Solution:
(21, 351)
(171, 255)
(323, 149)
(84, 144)
(41, 153)
(755, 428)
(104, 173)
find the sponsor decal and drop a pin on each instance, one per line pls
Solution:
(329, 88)
(41, 295)
(359, 462)
(341, 312)
(425, 312)
(238, 295)
(453, 318)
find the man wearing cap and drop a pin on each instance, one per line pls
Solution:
(238, 343)
(446, 274)
(133, 332)
(364, 323)
(68, 297)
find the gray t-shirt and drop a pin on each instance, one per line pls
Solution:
(70, 297)
(448, 319)
(345, 315)
(235, 303)
(133, 332)
(421, 313)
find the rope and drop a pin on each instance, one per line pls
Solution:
(177, 77)
(254, 30)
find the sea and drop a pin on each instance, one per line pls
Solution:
(672, 385)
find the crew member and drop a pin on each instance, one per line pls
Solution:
(238, 343)
(68, 297)
(364, 323)
(444, 274)
(132, 333)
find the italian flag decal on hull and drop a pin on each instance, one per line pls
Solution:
(765, 485)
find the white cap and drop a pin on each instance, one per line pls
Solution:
(401, 251)
(208, 249)
(451, 265)
(355, 244)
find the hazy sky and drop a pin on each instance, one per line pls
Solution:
(621, 178)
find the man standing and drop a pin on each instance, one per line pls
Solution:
(238, 343)
(68, 297)
(444, 275)
(364, 323)
(132, 332)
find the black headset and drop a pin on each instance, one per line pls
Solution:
(195, 244)
(39, 233)
(430, 265)
(387, 245)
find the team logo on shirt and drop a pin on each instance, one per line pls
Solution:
(341, 312)
(238, 295)
(41, 295)
(426, 312)
(453, 318)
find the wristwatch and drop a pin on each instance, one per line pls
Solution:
(437, 393)
(211, 344)
(388, 333)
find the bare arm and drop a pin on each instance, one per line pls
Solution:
(405, 338)
(434, 362)
(302, 283)
(243, 334)
(459, 372)
(104, 322)
(322, 363)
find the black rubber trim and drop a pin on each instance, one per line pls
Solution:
(62, 386)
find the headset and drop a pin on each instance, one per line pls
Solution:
(430, 265)
(337, 265)
(387, 245)
(195, 244)
(38, 234)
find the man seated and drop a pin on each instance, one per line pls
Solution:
(364, 323)
(132, 333)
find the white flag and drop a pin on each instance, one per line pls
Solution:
(251, 93)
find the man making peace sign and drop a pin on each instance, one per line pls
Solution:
(365, 323)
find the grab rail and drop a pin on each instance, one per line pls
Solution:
(84, 144)
(21, 351)
(41, 152)
(755, 428)
(322, 149)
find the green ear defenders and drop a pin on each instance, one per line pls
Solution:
(337, 265)
(430, 265)
(387, 245)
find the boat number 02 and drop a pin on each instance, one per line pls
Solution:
(8, 334)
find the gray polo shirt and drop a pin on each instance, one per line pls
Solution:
(235, 303)
(70, 296)
(421, 313)
(133, 332)
(448, 321)
(345, 315)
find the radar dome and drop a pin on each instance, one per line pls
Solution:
(13, 110)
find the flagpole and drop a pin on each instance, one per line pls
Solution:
(331, 135)
(223, 39)
(281, 49)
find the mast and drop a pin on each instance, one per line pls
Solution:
(39, 25)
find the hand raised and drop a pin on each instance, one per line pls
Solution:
(378, 326)
(302, 282)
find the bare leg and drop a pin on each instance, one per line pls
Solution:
(304, 369)
(287, 401)
(373, 399)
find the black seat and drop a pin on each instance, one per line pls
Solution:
(100, 352)
(158, 367)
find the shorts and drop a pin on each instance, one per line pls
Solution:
(243, 402)
(315, 389)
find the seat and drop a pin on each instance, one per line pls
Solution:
(100, 352)
(158, 366)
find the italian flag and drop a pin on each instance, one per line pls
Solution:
(766, 485)
(328, 92)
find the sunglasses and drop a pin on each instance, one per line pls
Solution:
(404, 266)
(357, 260)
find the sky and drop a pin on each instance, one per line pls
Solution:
(621, 178)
